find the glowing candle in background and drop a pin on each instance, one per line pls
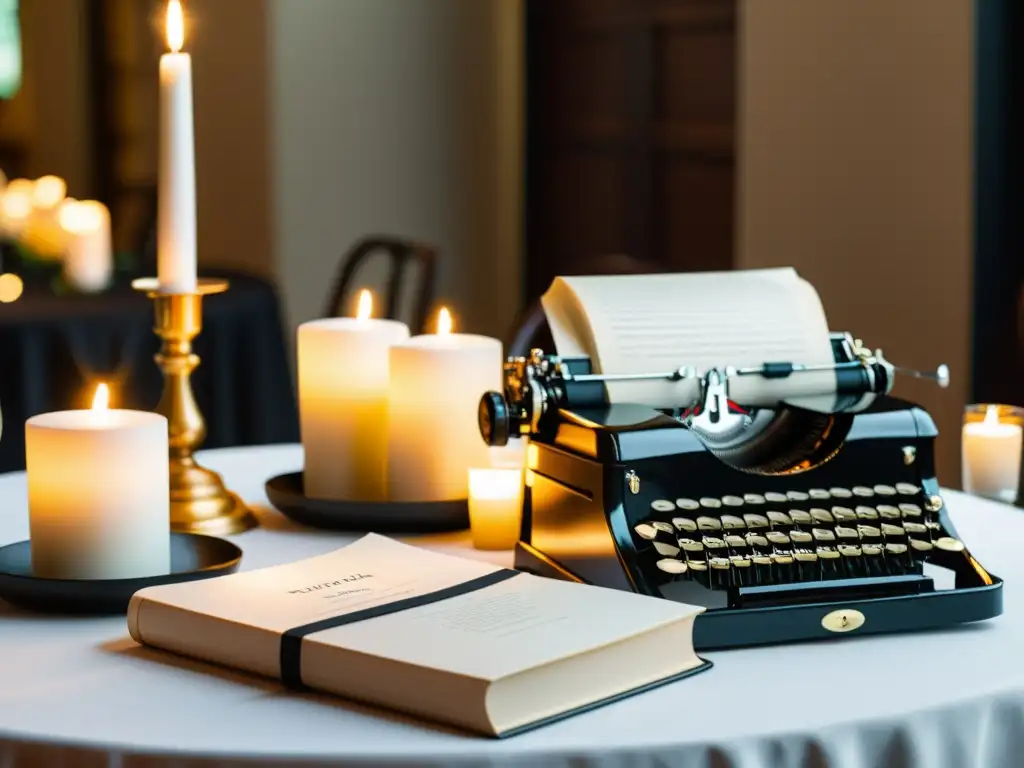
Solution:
(176, 214)
(991, 451)
(98, 492)
(437, 381)
(495, 507)
(343, 403)
(88, 254)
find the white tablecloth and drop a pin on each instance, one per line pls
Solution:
(79, 692)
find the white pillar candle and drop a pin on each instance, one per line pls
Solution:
(991, 456)
(88, 256)
(98, 493)
(433, 438)
(495, 507)
(343, 403)
(176, 206)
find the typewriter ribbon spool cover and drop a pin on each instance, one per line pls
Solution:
(633, 324)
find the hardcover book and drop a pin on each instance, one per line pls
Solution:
(458, 641)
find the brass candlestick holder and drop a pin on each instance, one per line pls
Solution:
(200, 503)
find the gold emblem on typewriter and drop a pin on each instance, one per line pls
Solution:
(845, 620)
(634, 482)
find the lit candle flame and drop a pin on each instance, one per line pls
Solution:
(365, 310)
(175, 26)
(444, 322)
(101, 400)
(991, 415)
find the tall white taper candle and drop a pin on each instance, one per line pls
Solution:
(176, 218)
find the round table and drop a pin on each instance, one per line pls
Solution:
(80, 692)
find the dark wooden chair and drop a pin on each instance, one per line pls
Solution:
(404, 258)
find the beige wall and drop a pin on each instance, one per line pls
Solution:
(856, 169)
(402, 118)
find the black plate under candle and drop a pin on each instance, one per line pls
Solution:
(193, 557)
(287, 495)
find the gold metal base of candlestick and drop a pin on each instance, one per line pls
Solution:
(199, 501)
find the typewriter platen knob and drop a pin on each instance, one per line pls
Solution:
(493, 418)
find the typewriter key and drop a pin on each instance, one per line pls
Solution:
(871, 550)
(885, 490)
(849, 550)
(910, 510)
(732, 522)
(663, 505)
(696, 566)
(756, 540)
(796, 496)
(819, 494)
(753, 498)
(949, 544)
(800, 537)
(732, 501)
(687, 505)
(691, 545)
(896, 549)
(866, 513)
(778, 537)
(709, 523)
(646, 531)
(775, 498)
(666, 550)
(800, 517)
(840, 493)
(734, 542)
(684, 524)
(828, 560)
(887, 512)
(933, 525)
(663, 526)
(782, 558)
(863, 491)
(709, 503)
(822, 515)
(890, 531)
(755, 521)
(668, 565)
(777, 519)
(915, 529)
(907, 489)
(805, 556)
(869, 533)
(761, 560)
(920, 545)
(823, 534)
(847, 534)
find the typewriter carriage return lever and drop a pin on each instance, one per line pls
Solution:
(793, 502)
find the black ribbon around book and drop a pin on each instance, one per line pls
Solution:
(291, 641)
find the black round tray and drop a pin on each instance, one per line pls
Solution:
(193, 556)
(287, 495)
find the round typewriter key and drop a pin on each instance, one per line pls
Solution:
(910, 510)
(667, 550)
(821, 515)
(668, 565)
(819, 494)
(663, 505)
(949, 544)
(840, 493)
(775, 498)
(921, 545)
(885, 490)
(888, 512)
(687, 505)
(684, 524)
(731, 522)
(867, 513)
(907, 489)
(709, 503)
(663, 526)
(646, 531)
(796, 496)
(800, 537)
(709, 523)
(753, 498)
(863, 491)
(779, 518)
(732, 501)
(755, 521)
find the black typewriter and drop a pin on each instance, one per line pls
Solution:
(786, 522)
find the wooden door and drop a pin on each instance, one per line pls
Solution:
(631, 112)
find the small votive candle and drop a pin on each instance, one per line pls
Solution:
(495, 507)
(88, 258)
(98, 493)
(991, 451)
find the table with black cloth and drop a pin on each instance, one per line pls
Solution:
(54, 349)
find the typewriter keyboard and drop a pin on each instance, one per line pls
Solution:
(813, 535)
